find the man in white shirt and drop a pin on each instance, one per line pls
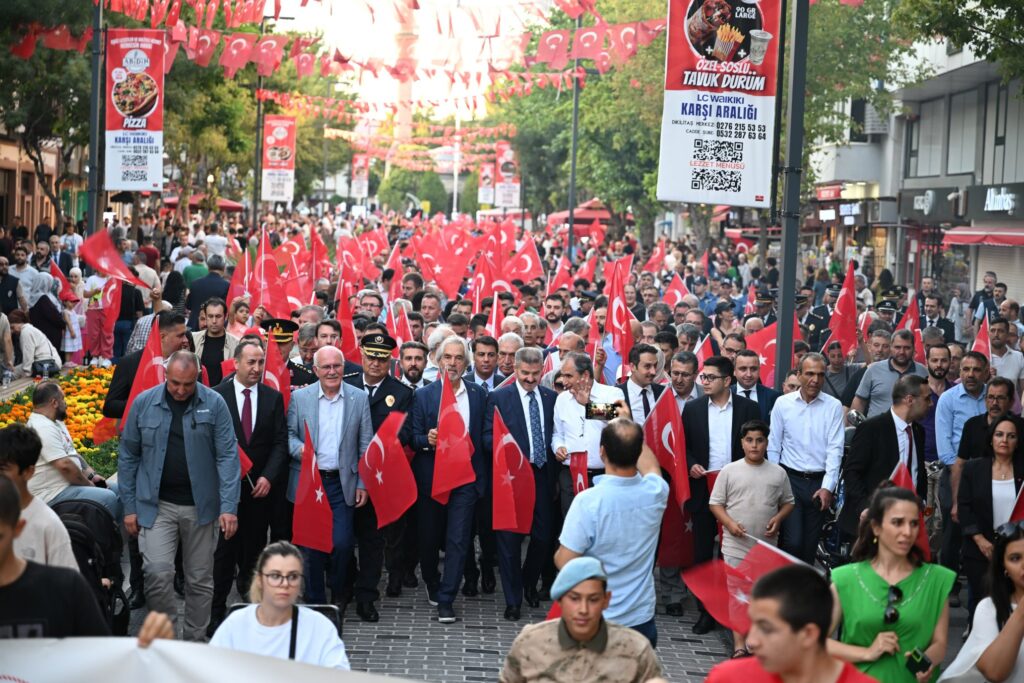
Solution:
(44, 538)
(216, 243)
(807, 439)
(572, 431)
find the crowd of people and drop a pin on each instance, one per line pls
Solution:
(779, 468)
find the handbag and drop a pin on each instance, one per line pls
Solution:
(45, 368)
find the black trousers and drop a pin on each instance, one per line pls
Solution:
(281, 510)
(240, 552)
(400, 547)
(802, 528)
(516, 572)
(363, 582)
(952, 536)
(483, 528)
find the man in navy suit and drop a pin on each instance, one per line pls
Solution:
(639, 390)
(450, 524)
(528, 410)
(748, 383)
(213, 285)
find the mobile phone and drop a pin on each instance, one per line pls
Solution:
(600, 411)
(918, 661)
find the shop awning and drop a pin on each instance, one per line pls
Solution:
(1008, 236)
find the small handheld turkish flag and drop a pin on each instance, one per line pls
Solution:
(675, 291)
(453, 464)
(386, 473)
(578, 470)
(111, 305)
(843, 322)
(982, 343)
(313, 522)
(514, 492)
(99, 252)
(151, 368)
(663, 432)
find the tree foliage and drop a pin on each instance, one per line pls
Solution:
(424, 185)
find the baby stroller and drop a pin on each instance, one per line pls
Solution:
(834, 547)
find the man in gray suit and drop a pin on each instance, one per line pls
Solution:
(338, 418)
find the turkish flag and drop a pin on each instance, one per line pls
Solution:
(104, 430)
(244, 461)
(622, 41)
(725, 591)
(26, 47)
(449, 269)
(901, 477)
(501, 240)
(526, 264)
(497, 316)
(597, 231)
(151, 368)
(58, 38)
(657, 260)
(348, 344)
(618, 311)
(573, 8)
(305, 63)
(111, 304)
(588, 42)
(911, 319)
(562, 276)
(227, 367)
(268, 53)
(453, 464)
(675, 544)
(238, 48)
(675, 291)
(275, 372)
(313, 521)
(201, 45)
(512, 481)
(240, 277)
(386, 473)
(65, 293)
(982, 343)
(320, 259)
(578, 470)
(395, 264)
(99, 252)
(481, 285)
(350, 255)
(588, 270)
(763, 343)
(265, 283)
(663, 432)
(291, 252)
(844, 318)
(553, 49)
(1018, 508)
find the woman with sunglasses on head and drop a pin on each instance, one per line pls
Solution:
(275, 625)
(890, 604)
(988, 491)
(994, 651)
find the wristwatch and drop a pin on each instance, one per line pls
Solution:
(90, 476)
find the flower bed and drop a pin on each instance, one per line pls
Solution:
(85, 390)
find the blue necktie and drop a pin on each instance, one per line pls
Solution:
(539, 457)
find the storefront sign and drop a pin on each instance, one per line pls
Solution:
(360, 176)
(134, 150)
(925, 202)
(827, 193)
(278, 183)
(506, 176)
(985, 202)
(928, 205)
(1000, 200)
(718, 119)
(827, 215)
(850, 209)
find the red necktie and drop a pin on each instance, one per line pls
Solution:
(247, 415)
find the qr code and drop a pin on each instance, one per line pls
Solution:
(277, 189)
(134, 161)
(715, 179)
(129, 175)
(717, 150)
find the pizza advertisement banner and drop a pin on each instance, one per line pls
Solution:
(506, 176)
(360, 176)
(485, 187)
(134, 131)
(718, 122)
(278, 182)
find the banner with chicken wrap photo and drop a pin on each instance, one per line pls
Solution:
(718, 121)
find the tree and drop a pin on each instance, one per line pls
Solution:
(424, 185)
(310, 151)
(991, 28)
(467, 195)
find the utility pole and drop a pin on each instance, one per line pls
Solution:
(455, 164)
(791, 199)
(95, 102)
(257, 175)
(575, 145)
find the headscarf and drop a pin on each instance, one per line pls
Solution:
(43, 285)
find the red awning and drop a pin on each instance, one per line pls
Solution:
(1009, 236)
(193, 203)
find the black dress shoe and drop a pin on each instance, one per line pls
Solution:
(531, 597)
(705, 624)
(394, 588)
(469, 589)
(512, 612)
(545, 594)
(487, 582)
(136, 599)
(409, 580)
(179, 584)
(446, 613)
(674, 609)
(367, 612)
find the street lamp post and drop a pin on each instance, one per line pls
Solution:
(575, 145)
(95, 101)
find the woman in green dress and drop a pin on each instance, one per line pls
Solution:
(889, 602)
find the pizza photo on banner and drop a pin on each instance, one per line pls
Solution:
(506, 176)
(360, 176)
(278, 183)
(134, 142)
(718, 121)
(485, 188)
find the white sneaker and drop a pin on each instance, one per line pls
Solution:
(105, 363)
(93, 362)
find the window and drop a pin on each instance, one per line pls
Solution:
(924, 141)
(858, 109)
(1001, 102)
(963, 132)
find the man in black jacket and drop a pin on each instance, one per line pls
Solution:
(173, 337)
(931, 318)
(258, 414)
(883, 442)
(211, 286)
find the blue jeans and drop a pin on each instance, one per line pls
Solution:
(106, 497)
(648, 630)
(335, 564)
(122, 333)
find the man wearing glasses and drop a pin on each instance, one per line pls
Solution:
(683, 373)
(712, 428)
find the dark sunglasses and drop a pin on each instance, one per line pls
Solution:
(892, 615)
(1010, 529)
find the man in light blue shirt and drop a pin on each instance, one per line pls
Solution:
(618, 521)
(956, 405)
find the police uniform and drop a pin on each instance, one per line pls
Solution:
(373, 543)
(813, 323)
(766, 298)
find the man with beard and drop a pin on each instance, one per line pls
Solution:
(937, 361)
(874, 395)
(878, 348)
(1006, 361)
(412, 358)
(554, 311)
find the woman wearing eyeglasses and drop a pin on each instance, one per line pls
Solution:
(275, 625)
(889, 602)
(988, 491)
(994, 650)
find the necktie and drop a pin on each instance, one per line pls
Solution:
(910, 449)
(647, 402)
(538, 456)
(247, 414)
(746, 393)
(370, 390)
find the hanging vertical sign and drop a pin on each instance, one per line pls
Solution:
(506, 176)
(485, 188)
(278, 182)
(718, 121)
(360, 176)
(134, 142)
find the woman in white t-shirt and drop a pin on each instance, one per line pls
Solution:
(275, 625)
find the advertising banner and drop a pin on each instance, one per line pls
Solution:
(718, 121)
(360, 176)
(134, 135)
(278, 183)
(485, 189)
(506, 176)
